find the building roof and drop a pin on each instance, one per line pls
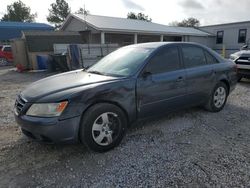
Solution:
(11, 30)
(114, 24)
(226, 24)
(23, 25)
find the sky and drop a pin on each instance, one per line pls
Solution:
(161, 11)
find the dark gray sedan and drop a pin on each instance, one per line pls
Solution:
(97, 105)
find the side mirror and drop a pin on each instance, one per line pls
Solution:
(244, 47)
(146, 74)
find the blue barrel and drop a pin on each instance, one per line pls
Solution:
(42, 61)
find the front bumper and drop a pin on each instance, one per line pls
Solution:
(50, 130)
(243, 66)
(244, 72)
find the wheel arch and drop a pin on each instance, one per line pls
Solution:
(107, 102)
(226, 82)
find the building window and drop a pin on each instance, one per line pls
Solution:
(242, 36)
(219, 38)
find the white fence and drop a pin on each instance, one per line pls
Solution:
(87, 54)
(60, 48)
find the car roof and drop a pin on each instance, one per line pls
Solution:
(6, 46)
(155, 45)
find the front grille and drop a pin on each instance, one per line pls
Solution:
(19, 104)
(243, 60)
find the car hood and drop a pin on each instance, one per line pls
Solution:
(61, 82)
(242, 53)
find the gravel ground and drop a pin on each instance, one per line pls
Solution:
(191, 148)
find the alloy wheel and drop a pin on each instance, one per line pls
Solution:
(105, 128)
(219, 97)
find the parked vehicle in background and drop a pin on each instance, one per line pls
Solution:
(97, 105)
(5, 54)
(242, 59)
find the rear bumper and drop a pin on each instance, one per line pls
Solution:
(50, 130)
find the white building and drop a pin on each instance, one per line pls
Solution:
(231, 36)
(102, 29)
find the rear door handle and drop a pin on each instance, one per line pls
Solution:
(179, 79)
(213, 73)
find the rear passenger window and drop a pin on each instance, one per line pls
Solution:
(210, 59)
(193, 56)
(165, 60)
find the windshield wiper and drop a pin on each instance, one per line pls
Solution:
(85, 68)
(95, 72)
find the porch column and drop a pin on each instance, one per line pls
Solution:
(102, 38)
(161, 38)
(183, 38)
(135, 38)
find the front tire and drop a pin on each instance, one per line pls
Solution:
(103, 126)
(218, 98)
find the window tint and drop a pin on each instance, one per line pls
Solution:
(210, 59)
(242, 36)
(193, 56)
(219, 38)
(165, 60)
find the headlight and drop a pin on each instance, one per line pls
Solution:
(233, 57)
(47, 109)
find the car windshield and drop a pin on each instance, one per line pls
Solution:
(123, 62)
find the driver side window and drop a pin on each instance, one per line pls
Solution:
(166, 60)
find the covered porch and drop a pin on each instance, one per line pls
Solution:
(123, 39)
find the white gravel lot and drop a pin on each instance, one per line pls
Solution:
(190, 148)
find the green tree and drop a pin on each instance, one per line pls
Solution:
(82, 11)
(19, 12)
(139, 16)
(58, 12)
(190, 22)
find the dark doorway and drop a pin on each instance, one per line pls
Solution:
(172, 38)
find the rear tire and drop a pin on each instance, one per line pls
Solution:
(3, 62)
(218, 98)
(239, 78)
(103, 126)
